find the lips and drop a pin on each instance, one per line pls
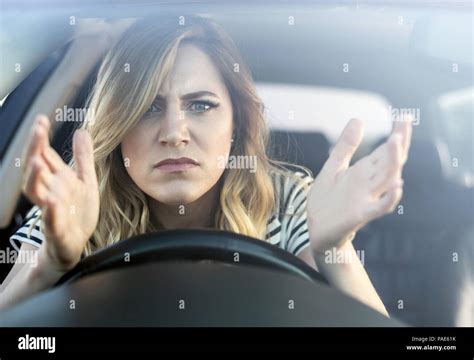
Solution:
(179, 164)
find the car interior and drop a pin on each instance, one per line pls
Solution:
(420, 258)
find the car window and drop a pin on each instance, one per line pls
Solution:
(300, 108)
(455, 130)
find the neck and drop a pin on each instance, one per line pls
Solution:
(198, 214)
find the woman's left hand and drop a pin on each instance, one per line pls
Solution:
(342, 199)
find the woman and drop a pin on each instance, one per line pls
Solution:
(170, 102)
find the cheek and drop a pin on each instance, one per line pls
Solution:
(216, 143)
(134, 146)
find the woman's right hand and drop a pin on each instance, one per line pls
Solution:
(69, 199)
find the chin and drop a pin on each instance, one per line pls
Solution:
(173, 196)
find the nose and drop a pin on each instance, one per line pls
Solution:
(174, 130)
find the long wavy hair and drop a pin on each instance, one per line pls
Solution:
(128, 81)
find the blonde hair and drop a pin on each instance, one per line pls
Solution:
(120, 98)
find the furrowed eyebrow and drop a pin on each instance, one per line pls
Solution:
(198, 94)
(193, 95)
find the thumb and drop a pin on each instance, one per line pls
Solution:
(346, 146)
(83, 156)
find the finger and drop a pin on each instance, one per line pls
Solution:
(53, 160)
(39, 136)
(387, 202)
(84, 157)
(37, 181)
(380, 184)
(403, 127)
(63, 187)
(378, 153)
(368, 169)
(36, 145)
(385, 148)
(346, 146)
(393, 146)
(388, 168)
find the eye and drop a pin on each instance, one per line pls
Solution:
(202, 106)
(154, 109)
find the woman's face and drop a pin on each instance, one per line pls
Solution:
(191, 120)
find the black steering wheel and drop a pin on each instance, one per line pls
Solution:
(192, 245)
(192, 278)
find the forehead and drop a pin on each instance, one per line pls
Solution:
(192, 71)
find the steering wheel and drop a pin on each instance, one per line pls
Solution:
(192, 278)
(192, 245)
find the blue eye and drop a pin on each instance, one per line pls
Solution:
(154, 109)
(202, 106)
(197, 107)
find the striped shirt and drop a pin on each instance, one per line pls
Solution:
(287, 227)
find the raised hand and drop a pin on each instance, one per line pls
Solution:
(342, 199)
(69, 198)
